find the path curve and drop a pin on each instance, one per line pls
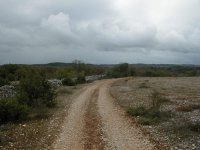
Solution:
(94, 121)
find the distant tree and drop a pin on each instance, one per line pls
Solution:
(8, 71)
(78, 66)
(81, 77)
(68, 82)
(3, 81)
(121, 70)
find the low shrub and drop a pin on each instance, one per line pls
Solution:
(35, 91)
(12, 110)
(50, 100)
(148, 116)
(195, 127)
(80, 79)
(148, 121)
(153, 114)
(144, 85)
(144, 112)
(157, 99)
(195, 106)
(184, 108)
(64, 90)
(187, 107)
(3, 81)
(137, 111)
(68, 82)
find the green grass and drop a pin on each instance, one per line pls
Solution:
(148, 116)
(153, 114)
(137, 111)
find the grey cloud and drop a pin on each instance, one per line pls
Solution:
(77, 30)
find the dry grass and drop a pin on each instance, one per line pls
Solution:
(187, 107)
(180, 96)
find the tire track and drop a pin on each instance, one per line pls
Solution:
(92, 128)
(120, 133)
(95, 122)
(71, 137)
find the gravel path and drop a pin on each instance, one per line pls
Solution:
(71, 135)
(95, 122)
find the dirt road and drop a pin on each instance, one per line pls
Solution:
(95, 122)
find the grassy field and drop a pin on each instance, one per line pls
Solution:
(176, 123)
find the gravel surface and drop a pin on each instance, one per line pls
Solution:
(107, 123)
(71, 135)
(120, 132)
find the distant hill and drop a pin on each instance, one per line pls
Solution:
(53, 64)
(62, 64)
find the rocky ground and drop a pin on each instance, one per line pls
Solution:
(7, 91)
(89, 117)
(181, 130)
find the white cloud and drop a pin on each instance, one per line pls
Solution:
(58, 23)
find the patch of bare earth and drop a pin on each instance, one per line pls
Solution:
(182, 129)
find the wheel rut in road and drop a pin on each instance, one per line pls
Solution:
(92, 128)
(95, 122)
(71, 136)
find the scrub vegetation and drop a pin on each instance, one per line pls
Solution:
(168, 109)
(155, 100)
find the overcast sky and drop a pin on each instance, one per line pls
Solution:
(100, 31)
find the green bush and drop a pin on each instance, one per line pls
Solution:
(137, 111)
(148, 116)
(3, 81)
(148, 121)
(81, 79)
(157, 99)
(68, 82)
(153, 114)
(11, 110)
(121, 70)
(142, 111)
(34, 90)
